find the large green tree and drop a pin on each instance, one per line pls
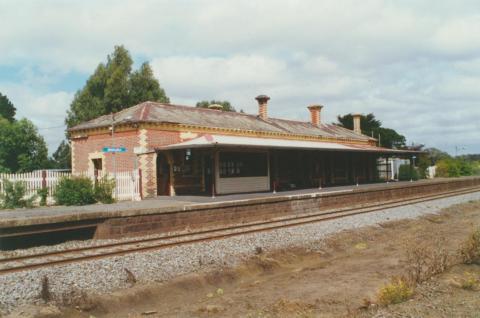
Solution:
(21, 147)
(112, 87)
(371, 126)
(62, 157)
(7, 110)
(225, 104)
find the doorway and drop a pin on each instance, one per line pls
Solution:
(163, 175)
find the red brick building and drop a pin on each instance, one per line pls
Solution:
(188, 150)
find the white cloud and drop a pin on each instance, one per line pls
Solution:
(415, 64)
(46, 110)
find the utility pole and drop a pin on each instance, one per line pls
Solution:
(114, 156)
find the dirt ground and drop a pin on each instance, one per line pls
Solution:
(340, 280)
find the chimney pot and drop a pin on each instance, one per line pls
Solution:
(357, 128)
(262, 106)
(315, 114)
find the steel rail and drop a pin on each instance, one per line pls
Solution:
(249, 228)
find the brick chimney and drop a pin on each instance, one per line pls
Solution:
(315, 114)
(262, 106)
(357, 128)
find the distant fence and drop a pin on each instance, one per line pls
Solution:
(127, 183)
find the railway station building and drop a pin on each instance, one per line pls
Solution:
(198, 151)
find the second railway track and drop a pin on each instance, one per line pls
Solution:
(59, 257)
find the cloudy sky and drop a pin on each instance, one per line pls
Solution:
(414, 64)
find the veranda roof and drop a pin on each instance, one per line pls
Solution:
(209, 141)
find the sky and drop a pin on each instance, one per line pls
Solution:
(414, 64)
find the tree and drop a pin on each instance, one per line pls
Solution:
(371, 126)
(144, 86)
(62, 157)
(7, 110)
(21, 147)
(225, 104)
(434, 155)
(113, 87)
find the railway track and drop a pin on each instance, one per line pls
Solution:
(33, 261)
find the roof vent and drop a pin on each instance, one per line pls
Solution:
(215, 107)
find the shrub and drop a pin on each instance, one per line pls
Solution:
(43, 193)
(103, 190)
(426, 258)
(450, 168)
(470, 250)
(406, 172)
(397, 291)
(74, 191)
(14, 195)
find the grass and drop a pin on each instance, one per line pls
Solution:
(469, 281)
(395, 292)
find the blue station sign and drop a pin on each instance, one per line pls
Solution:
(114, 149)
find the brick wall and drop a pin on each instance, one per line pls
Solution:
(158, 138)
(86, 149)
(218, 215)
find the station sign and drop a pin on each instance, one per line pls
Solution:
(114, 149)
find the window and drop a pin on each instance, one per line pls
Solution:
(97, 164)
(243, 164)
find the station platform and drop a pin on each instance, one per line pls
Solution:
(165, 204)
(185, 213)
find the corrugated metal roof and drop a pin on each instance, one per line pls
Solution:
(151, 112)
(208, 140)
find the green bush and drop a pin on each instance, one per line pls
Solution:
(406, 172)
(103, 190)
(14, 195)
(43, 193)
(450, 168)
(74, 191)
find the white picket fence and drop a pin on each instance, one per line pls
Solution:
(127, 182)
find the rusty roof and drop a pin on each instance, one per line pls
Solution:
(152, 112)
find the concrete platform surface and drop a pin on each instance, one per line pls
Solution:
(163, 204)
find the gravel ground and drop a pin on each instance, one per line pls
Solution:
(109, 274)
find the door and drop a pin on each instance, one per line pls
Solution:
(163, 175)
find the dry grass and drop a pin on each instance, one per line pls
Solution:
(470, 250)
(426, 258)
(397, 291)
(468, 281)
(79, 299)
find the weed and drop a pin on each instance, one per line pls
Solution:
(131, 279)
(43, 193)
(397, 291)
(470, 249)
(426, 258)
(103, 190)
(45, 294)
(467, 281)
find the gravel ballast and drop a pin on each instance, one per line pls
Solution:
(109, 274)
